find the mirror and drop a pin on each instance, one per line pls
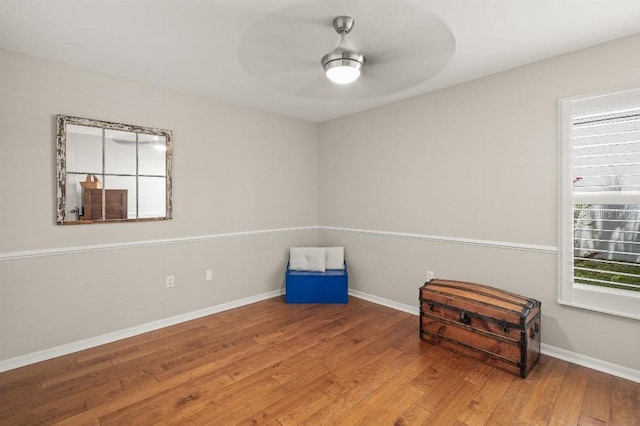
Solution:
(111, 172)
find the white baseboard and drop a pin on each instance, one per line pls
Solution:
(552, 351)
(593, 363)
(31, 358)
(414, 310)
(19, 361)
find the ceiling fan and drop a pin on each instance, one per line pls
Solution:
(343, 64)
(396, 46)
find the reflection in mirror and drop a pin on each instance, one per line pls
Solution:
(112, 172)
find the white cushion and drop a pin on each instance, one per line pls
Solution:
(334, 257)
(307, 259)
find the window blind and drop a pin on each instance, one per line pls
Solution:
(606, 198)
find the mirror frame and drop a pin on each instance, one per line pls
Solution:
(61, 160)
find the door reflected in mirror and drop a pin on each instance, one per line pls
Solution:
(112, 172)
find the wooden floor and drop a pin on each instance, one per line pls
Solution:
(277, 364)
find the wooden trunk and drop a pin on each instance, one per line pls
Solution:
(482, 322)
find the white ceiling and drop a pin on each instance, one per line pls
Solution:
(266, 54)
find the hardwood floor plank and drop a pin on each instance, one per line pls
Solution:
(292, 368)
(59, 401)
(394, 396)
(384, 403)
(314, 397)
(307, 404)
(158, 408)
(182, 361)
(485, 400)
(596, 405)
(414, 415)
(450, 407)
(19, 396)
(442, 379)
(270, 363)
(229, 406)
(115, 356)
(13, 378)
(294, 327)
(625, 403)
(106, 403)
(45, 402)
(516, 396)
(237, 401)
(50, 380)
(133, 345)
(568, 404)
(540, 404)
(360, 383)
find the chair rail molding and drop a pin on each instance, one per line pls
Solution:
(147, 243)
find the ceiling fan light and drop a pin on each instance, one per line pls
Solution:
(343, 65)
(343, 71)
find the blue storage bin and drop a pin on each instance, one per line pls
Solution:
(331, 286)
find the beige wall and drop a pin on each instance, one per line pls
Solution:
(235, 170)
(476, 161)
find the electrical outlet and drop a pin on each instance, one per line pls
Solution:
(170, 281)
(430, 275)
(208, 275)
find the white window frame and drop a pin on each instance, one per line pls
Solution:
(613, 301)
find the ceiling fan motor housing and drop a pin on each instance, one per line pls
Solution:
(343, 55)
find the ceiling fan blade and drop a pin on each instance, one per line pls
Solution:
(300, 35)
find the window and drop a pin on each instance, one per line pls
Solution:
(599, 265)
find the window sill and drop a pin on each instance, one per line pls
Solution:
(610, 301)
